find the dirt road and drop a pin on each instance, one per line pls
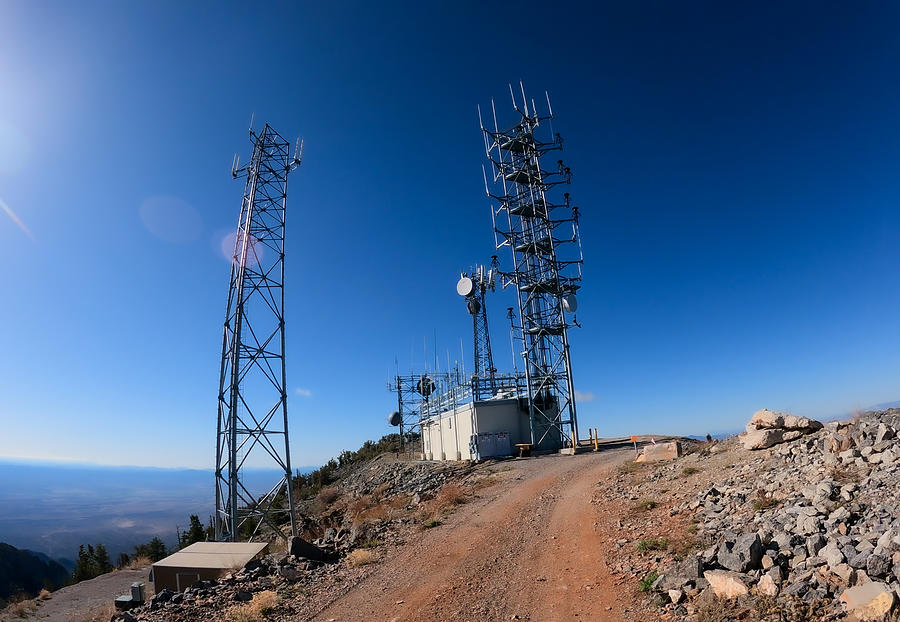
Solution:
(530, 548)
(92, 599)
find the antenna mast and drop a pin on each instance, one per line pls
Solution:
(540, 229)
(474, 288)
(252, 419)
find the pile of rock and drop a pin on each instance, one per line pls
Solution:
(768, 427)
(816, 518)
(392, 477)
(201, 599)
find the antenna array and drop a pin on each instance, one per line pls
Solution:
(474, 287)
(541, 231)
(252, 414)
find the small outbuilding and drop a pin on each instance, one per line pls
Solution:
(203, 561)
(481, 429)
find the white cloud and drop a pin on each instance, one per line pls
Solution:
(304, 392)
(587, 396)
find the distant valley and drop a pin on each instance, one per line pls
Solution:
(52, 508)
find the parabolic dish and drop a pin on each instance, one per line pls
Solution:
(465, 286)
(395, 418)
(570, 303)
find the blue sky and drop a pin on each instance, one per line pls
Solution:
(735, 165)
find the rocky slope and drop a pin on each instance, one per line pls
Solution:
(376, 504)
(806, 529)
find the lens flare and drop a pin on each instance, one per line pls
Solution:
(16, 220)
(232, 250)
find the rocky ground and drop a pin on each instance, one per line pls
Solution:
(374, 509)
(804, 529)
(791, 521)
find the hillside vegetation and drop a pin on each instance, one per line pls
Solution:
(24, 573)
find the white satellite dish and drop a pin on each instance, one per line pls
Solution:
(465, 286)
(570, 303)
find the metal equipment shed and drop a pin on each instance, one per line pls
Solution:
(203, 561)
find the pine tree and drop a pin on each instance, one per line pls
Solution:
(155, 550)
(101, 559)
(86, 565)
(195, 532)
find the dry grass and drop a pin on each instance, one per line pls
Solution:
(631, 467)
(379, 492)
(380, 513)
(843, 475)
(327, 496)
(759, 609)
(44, 595)
(681, 545)
(449, 497)
(645, 505)
(484, 482)
(256, 610)
(19, 610)
(688, 471)
(139, 562)
(358, 506)
(400, 502)
(763, 502)
(361, 557)
(99, 614)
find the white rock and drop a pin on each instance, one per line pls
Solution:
(726, 584)
(767, 586)
(761, 439)
(871, 601)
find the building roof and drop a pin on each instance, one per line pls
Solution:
(213, 555)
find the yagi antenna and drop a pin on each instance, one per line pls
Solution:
(494, 110)
(513, 98)
(298, 152)
(524, 99)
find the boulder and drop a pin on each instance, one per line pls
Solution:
(871, 601)
(767, 428)
(761, 439)
(686, 571)
(745, 554)
(727, 584)
(301, 548)
(660, 451)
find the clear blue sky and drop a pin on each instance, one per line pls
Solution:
(736, 166)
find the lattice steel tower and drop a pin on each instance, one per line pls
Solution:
(540, 228)
(474, 288)
(253, 422)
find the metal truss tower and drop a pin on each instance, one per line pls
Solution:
(407, 416)
(252, 418)
(474, 288)
(540, 229)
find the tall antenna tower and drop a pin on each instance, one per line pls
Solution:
(253, 422)
(474, 286)
(541, 231)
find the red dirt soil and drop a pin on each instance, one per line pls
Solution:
(530, 548)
